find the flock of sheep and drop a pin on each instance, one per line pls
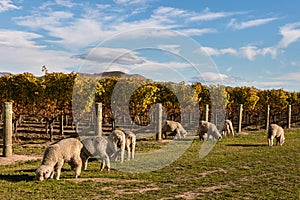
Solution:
(76, 153)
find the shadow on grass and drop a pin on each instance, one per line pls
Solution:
(16, 178)
(246, 145)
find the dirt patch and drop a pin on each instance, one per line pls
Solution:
(106, 180)
(17, 158)
(189, 195)
(203, 174)
(242, 133)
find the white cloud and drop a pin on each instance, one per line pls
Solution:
(26, 59)
(196, 32)
(64, 3)
(290, 33)
(6, 5)
(294, 76)
(250, 52)
(170, 48)
(213, 78)
(215, 52)
(18, 39)
(44, 21)
(130, 1)
(112, 55)
(207, 15)
(243, 25)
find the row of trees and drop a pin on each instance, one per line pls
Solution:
(53, 94)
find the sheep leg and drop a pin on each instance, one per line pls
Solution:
(270, 140)
(52, 175)
(102, 166)
(281, 140)
(85, 162)
(128, 150)
(107, 162)
(132, 149)
(59, 165)
(78, 166)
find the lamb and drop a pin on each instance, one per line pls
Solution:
(208, 130)
(67, 150)
(275, 131)
(173, 127)
(96, 146)
(227, 128)
(130, 141)
(117, 137)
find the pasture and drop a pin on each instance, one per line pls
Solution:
(243, 167)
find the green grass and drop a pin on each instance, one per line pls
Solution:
(243, 167)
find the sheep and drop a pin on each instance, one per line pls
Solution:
(130, 141)
(227, 128)
(275, 131)
(117, 137)
(208, 130)
(67, 150)
(96, 146)
(173, 127)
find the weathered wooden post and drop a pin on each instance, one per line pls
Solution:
(267, 118)
(159, 122)
(61, 124)
(240, 118)
(289, 119)
(7, 129)
(206, 111)
(98, 130)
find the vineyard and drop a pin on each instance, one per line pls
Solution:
(48, 100)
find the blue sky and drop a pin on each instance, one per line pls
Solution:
(252, 43)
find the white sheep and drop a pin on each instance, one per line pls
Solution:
(208, 130)
(130, 141)
(117, 137)
(67, 150)
(173, 127)
(98, 147)
(275, 131)
(228, 128)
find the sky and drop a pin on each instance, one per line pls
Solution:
(236, 43)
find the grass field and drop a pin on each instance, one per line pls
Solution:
(243, 167)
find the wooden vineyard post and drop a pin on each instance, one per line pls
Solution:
(61, 124)
(7, 129)
(206, 110)
(240, 118)
(159, 122)
(98, 130)
(289, 119)
(267, 118)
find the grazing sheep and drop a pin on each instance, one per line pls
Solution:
(67, 150)
(275, 131)
(117, 137)
(98, 147)
(227, 128)
(208, 130)
(173, 127)
(130, 140)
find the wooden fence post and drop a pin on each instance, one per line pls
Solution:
(61, 124)
(98, 126)
(206, 110)
(159, 122)
(7, 129)
(240, 118)
(267, 118)
(289, 119)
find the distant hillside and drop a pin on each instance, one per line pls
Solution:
(119, 74)
(4, 73)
